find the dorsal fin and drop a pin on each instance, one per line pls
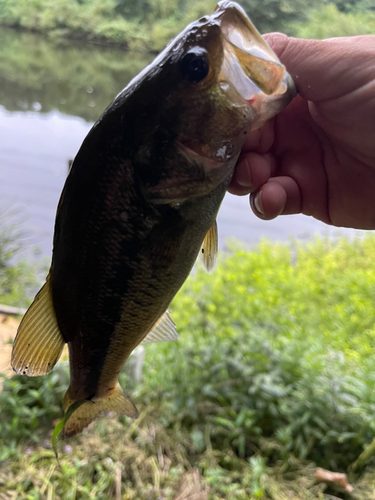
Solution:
(209, 248)
(164, 329)
(38, 343)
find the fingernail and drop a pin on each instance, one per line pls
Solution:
(245, 181)
(258, 202)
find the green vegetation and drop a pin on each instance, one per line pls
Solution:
(354, 5)
(271, 15)
(147, 25)
(330, 22)
(18, 279)
(144, 25)
(273, 373)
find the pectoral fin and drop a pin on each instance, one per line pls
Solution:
(209, 248)
(164, 329)
(38, 343)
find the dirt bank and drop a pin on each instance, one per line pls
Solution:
(8, 329)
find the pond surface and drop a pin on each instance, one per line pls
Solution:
(50, 95)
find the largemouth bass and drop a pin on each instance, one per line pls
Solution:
(140, 204)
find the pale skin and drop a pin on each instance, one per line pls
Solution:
(317, 157)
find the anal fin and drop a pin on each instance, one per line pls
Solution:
(164, 329)
(38, 343)
(209, 248)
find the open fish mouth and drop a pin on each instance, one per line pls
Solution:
(252, 77)
(250, 65)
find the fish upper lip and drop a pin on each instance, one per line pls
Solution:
(249, 63)
(233, 22)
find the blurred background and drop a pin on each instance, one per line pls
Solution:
(273, 375)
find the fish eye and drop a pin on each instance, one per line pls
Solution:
(194, 65)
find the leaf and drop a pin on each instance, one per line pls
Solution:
(224, 422)
(60, 426)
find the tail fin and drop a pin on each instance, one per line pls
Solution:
(88, 410)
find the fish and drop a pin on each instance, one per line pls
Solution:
(140, 205)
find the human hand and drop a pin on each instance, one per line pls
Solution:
(317, 156)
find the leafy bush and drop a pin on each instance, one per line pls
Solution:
(354, 5)
(275, 353)
(271, 15)
(330, 22)
(28, 407)
(105, 20)
(148, 25)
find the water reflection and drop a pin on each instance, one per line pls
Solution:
(38, 74)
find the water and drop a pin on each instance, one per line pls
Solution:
(50, 94)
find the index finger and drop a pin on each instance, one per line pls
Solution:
(325, 69)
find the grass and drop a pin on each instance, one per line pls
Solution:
(19, 280)
(142, 460)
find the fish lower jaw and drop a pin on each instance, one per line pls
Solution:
(176, 194)
(214, 169)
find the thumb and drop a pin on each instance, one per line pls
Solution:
(325, 69)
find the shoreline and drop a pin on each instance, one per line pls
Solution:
(55, 36)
